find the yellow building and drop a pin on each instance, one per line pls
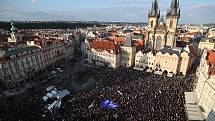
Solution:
(167, 60)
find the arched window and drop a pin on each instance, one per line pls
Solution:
(170, 24)
(151, 23)
(158, 43)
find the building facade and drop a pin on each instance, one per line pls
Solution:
(161, 34)
(208, 43)
(104, 53)
(128, 51)
(205, 87)
(18, 65)
(166, 60)
(54, 50)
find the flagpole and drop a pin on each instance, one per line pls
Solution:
(52, 115)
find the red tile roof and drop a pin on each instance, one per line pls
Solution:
(139, 44)
(211, 57)
(211, 62)
(113, 33)
(118, 39)
(105, 45)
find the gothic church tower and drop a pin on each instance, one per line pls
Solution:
(173, 14)
(160, 33)
(153, 18)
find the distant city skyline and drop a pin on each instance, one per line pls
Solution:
(192, 11)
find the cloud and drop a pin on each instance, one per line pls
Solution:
(34, 1)
(203, 5)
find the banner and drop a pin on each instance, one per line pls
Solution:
(108, 104)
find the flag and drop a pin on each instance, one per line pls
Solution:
(108, 104)
(58, 105)
(119, 92)
(91, 105)
(51, 107)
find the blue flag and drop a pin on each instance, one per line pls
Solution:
(108, 104)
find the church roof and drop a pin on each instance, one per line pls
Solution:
(168, 50)
(128, 41)
(161, 25)
(105, 45)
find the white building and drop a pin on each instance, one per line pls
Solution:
(15, 37)
(54, 49)
(20, 64)
(208, 43)
(104, 53)
(165, 60)
(144, 60)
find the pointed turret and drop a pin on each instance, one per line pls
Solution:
(128, 41)
(174, 4)
(154, 9)
(179, 12)
(154, 5)
(159, 13)
(174, 8)
(178, 4)
(13, 29)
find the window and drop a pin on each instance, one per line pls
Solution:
(170, 24)
(151, 23)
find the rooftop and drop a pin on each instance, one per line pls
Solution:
(168, 50)
(15, 51)
(211, 61)
(105, 45)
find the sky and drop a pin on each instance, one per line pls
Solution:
(192, 11)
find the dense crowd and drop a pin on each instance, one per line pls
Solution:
(141, 96)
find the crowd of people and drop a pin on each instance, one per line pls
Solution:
(141, 96)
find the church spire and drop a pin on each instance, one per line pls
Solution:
(154, 8)
(178, 4)
(174, 4)
(174, 8)
(13, 28)
(154, 5)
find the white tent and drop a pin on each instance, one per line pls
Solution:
(45, 98)
(50, 95)
(62, 94)
(50, 88)
(54, 92)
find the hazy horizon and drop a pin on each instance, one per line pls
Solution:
(192, 11)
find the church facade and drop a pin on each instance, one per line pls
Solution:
(160, 33)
